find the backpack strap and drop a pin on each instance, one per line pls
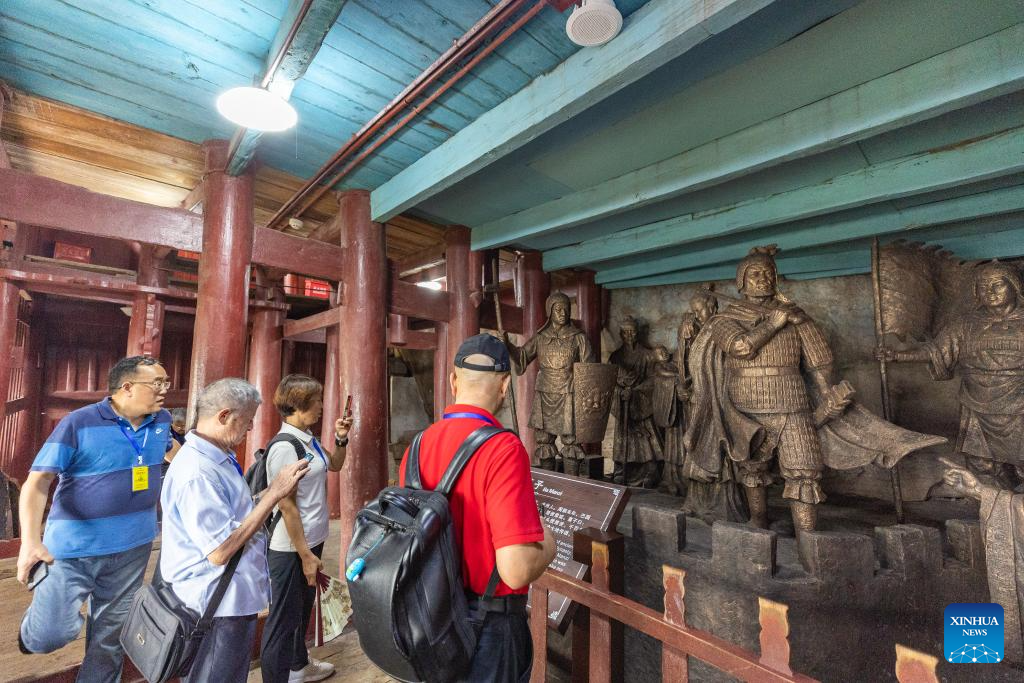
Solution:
(470, 446)
(412, 465)
(300, 453)
(204, 624)
(300, 450)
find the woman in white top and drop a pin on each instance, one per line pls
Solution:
(298, 538)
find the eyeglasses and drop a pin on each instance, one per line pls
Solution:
(158, 384)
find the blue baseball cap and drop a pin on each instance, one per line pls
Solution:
(483, 345)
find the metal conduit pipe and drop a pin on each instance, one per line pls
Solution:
(312, 189)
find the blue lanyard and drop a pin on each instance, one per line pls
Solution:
(235, 463)
(133, 442)
(317, 447)
(472, 416)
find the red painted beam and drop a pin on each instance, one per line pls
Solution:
(35, 200)
(511, 317)
(317, 321)
(298, 254)
(418, 302)
(10, 548)
(421, 260)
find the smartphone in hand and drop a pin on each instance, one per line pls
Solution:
(40, 570)
(348, 407)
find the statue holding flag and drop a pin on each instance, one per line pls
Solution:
(986, 345)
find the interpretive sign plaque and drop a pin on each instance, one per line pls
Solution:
(569, 504)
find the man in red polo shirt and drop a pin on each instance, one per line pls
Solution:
(493, 508)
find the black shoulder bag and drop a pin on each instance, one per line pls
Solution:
(161, 634)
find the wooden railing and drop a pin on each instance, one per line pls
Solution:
(601, 653)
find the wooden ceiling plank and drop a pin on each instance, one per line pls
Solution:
(969, 74)
(657, 33)
(835, 229)
(299, 36)
(990, 157)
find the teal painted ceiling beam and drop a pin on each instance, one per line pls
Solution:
(841, 272)
(299, 53)
(996, 237)
(997, 155)
(981, 70)
(651, 37)
(876, 220)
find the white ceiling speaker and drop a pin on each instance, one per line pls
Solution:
(593, 23)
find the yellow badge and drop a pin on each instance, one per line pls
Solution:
(140, 478)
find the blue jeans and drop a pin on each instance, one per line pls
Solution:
(504, 651)
(54, 618)
(224, 654)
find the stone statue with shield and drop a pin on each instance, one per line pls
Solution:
(572, 394)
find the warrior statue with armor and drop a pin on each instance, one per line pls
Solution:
(987, 346)
(749, 365)
(637, 448)
(556, 346)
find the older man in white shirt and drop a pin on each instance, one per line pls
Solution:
(208, 516)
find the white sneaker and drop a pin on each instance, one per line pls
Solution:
(314, 671)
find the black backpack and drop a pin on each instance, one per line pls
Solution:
(256, 475)
(405, 576)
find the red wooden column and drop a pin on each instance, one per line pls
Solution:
(218, 341)
(534, 285)
(146, 327)
(332, 411)
(462, 269)
(363, 357)
(265, 375)
(442, 368)
(9, 300)
(588, 300)
(8, 290)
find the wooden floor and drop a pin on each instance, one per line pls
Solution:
(343, 652)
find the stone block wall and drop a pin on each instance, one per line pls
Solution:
(860, 595)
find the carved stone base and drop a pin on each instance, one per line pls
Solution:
(868, 584)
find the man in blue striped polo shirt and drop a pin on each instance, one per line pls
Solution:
(102, 522)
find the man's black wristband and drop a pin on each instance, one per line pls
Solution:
(341, 443)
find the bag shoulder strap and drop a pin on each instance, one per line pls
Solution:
(203, 626)
(300, 449)
(471, 445)
(412, 465)
(300, 453)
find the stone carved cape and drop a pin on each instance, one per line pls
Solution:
(718, 429)
(1002, 524)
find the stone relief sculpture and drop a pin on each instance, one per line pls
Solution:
(702, 306)
(556, 347)
(986, 345)
(637, 450)
(1002, 527)
(669, 398)
(752, 408)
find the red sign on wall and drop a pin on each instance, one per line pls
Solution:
(72, 252)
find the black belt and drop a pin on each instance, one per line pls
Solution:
(506, 604)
